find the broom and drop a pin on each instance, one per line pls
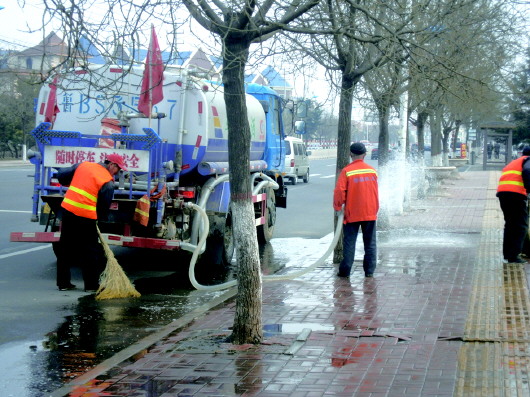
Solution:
(113, 282)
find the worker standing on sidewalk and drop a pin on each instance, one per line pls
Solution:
(512, 192)
(525, 253)
(88, 198)
(357, 191)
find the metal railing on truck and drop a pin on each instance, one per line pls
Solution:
(64, 148)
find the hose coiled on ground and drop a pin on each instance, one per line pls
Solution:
(289, 276)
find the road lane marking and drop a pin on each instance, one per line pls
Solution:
(25, 251)
(23, 212)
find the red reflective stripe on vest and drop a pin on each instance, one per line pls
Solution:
(82, 196)
(511, 179)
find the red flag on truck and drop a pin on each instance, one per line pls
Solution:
(51, 106)
(151, 93)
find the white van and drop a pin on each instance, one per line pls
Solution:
(296, 160)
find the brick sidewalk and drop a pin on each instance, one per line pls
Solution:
(401, 333)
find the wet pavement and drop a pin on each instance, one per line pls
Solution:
(441, 317)
(97, 330)
(94, 332)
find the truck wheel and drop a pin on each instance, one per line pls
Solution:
(228, 241)
(294, 180)
(266, 230)
(306, 176)
(220, 246)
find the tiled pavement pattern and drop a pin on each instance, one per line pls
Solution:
(498, 363)
(401, 333)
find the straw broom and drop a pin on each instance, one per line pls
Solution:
(113, 282)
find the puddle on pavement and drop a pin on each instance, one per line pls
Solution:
(305, 300)
(98, 330)
(429, 245)
(295, 328)
(19, 368)
(406, 238)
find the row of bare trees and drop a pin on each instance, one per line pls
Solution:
(448, 55)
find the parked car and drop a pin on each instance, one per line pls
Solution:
(375, 154)
(296, 160)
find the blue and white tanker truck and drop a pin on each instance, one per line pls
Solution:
(178, 157)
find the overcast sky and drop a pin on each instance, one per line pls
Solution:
(14, 24)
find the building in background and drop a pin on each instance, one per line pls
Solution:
(270, 77)
(48, 54)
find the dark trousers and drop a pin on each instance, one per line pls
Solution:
(349, 238)
(515, 209)
(79, 246)
(526, 245)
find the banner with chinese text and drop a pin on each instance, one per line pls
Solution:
(66, 156)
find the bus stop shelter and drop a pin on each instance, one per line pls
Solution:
(497, 132)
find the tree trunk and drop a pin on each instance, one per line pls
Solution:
(383, 115)
(420, 130)
(385, 188)
(445, 145)
(247, 322)
(455, 138)
(436, 139)
(344, 142)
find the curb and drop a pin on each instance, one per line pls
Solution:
(13, 163)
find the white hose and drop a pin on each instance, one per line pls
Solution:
(320, 261)
(206, 191)
(197, 249)
(266, 182)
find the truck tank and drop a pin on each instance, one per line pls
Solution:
(104, 100)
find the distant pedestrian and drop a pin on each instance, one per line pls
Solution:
(489, 149)
(88, 198)
(357, 194)
(497, 149)
(512, 192)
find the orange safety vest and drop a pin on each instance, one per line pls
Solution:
(82, 195)
(357, 189)
(512, 177)
(141, 212)
(143, 205)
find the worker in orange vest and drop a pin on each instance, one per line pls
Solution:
(88, 198)
(512, 191)
(356, 192)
